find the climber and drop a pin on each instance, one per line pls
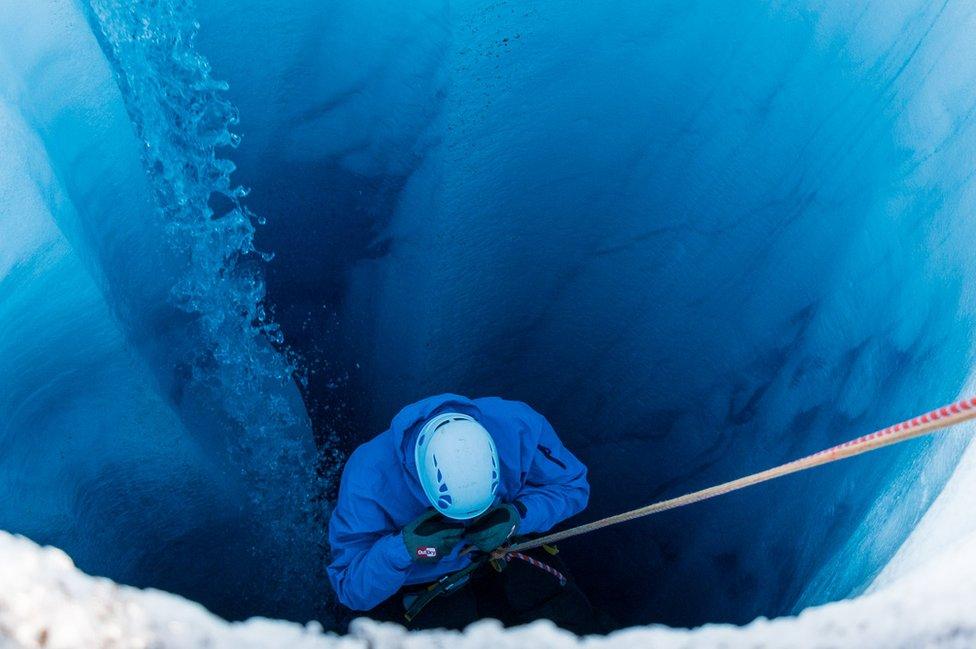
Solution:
(451, 480)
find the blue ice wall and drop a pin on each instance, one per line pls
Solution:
(147, 426)
(702, 238)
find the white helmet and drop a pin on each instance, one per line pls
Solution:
(457, 463)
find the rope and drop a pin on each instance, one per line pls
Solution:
(538, 564)
(930, 422)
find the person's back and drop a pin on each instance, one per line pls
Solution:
(451, 479)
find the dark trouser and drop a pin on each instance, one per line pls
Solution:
(519, 594)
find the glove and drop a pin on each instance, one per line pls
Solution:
(494, 528)
(430, 536)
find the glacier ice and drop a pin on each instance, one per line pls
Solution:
(703, 240)
(124, 433)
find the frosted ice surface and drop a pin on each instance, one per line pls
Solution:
(874, 167)
(46, 602)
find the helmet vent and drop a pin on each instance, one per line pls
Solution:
(444, 502)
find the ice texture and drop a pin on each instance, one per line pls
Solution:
(147, 425)
(702, 238)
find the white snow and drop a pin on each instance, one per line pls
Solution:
(46, 602)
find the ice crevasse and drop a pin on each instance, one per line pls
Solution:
(703, 240)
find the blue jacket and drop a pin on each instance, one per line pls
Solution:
(380, 493)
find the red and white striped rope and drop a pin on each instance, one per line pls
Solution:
(930, 422)
(538, 564)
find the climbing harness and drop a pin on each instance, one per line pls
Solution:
(450, 583)
(928, 423)
(443, 586)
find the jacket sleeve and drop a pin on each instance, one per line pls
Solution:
(555, 486)
(369, 559)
